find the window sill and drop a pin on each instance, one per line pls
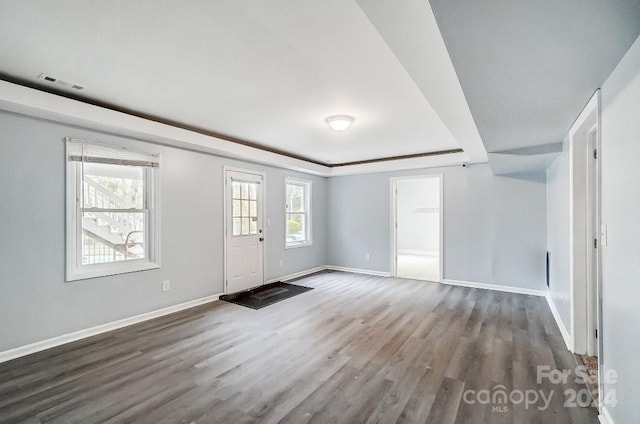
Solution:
(297, 245)
(106, 270)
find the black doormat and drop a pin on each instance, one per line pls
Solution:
(265, 295)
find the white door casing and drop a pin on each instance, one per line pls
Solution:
(585, 242)
(394, 220)
(593, 257)
(244, 231)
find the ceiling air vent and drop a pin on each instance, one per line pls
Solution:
(60, 82)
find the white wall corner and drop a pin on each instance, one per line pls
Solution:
(556, 315)
(484, 286)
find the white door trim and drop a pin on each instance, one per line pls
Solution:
(225, 170)
(582, 233)
(393, 227)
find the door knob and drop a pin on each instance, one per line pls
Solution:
(261, 239)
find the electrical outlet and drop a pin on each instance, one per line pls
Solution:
(268, 222)
(166, 285)
(281, 263)
(366, 257)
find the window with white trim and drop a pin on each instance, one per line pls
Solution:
(112, 210)
(297, 212)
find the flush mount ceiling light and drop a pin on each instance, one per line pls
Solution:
(340, 122)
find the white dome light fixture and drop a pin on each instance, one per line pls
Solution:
(340, 122)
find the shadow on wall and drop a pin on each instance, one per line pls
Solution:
(539, 177)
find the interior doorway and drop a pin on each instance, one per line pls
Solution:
(586, 240)
(244, 231)
(417, 227)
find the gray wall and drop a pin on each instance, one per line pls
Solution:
(418, 223)
(621, 213)
(37, 303)
(494, 226)
(620, 148)
(558, 235)
(494, 231)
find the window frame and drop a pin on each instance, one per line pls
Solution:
(75, 270)
(307, 190)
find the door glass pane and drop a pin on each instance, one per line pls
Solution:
(245, 226)
(245, 190)
(245, 208)
(237, 228)
(236, 189)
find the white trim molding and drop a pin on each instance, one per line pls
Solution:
(295, 275)
(556, 315)
(581, 233)
(605, 416)
(40, 104)
(485, 286)
(18, 352)
(358, 271)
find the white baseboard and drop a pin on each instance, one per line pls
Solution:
(17, 352)
(358, 271)
(297, 274)
(496, 287)
(556, 316)
(605, 416)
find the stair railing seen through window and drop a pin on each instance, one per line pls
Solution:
(112, 205)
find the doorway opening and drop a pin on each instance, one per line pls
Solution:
(244, 231)
(585, 238)
(416, 226)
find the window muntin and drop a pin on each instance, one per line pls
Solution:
(297, 212)
(112, 210)
(245, 208)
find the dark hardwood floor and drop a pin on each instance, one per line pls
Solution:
(357, 349)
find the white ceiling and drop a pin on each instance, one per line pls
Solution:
(528, 67)
(264, 72)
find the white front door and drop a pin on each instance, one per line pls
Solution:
(244, 232)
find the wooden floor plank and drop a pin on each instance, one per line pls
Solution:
(356, 349)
